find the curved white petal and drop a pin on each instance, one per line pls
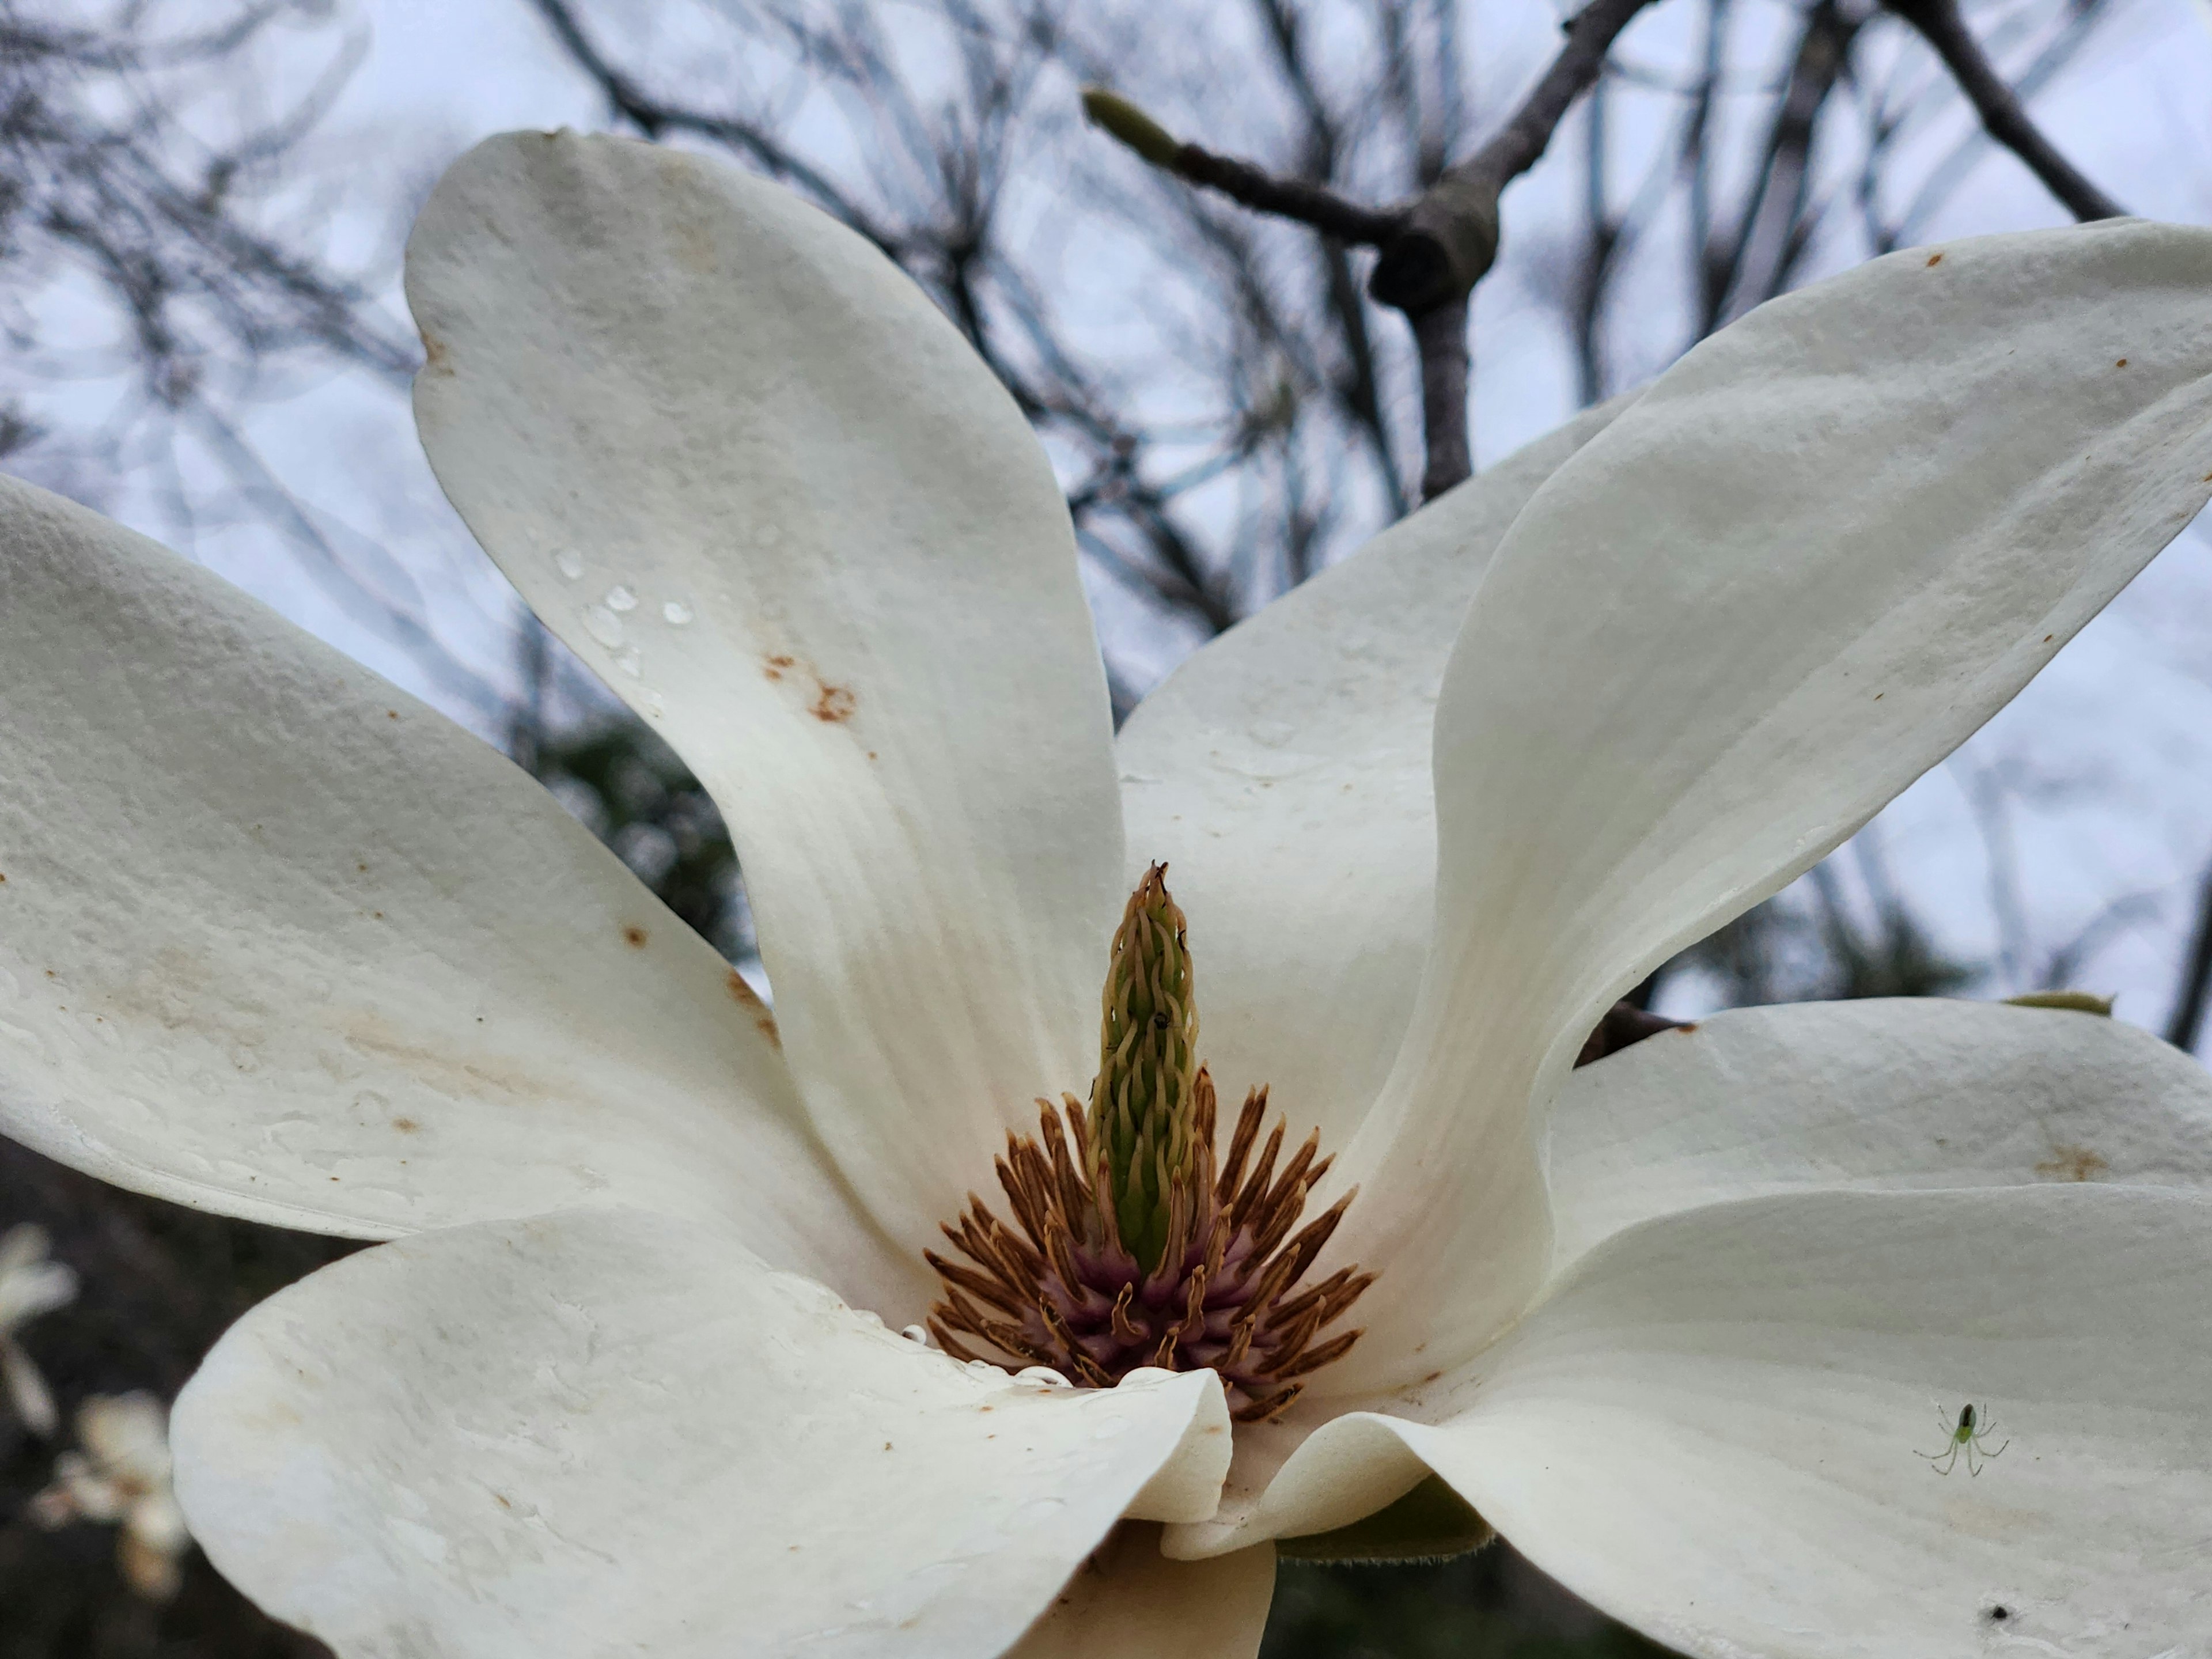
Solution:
(1717, 1430)
(1809, 560)
(1283, 774)
(738, 460)
(279, 942)
(1129, 1602)
(1876, 1095)
(609, 1431)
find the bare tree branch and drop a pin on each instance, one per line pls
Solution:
(2002, 111)
(1435, 248)
(1242, 182)
(2196, 987)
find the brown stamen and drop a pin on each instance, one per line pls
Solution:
(1057, 1288)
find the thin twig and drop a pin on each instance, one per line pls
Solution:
(2001, 110)
(2195, 978)
(1434, 248)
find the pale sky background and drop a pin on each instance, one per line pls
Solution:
(2104, 765)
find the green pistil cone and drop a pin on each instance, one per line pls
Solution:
(1143, 1100)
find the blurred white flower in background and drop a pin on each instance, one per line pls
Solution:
(29, 1285)
(121, 1479)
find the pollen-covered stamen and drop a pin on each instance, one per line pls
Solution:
(1133, 1245)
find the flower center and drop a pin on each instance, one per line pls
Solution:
(1135, 1245)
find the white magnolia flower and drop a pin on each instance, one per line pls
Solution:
(29, 1285)
(288, 946)
(122, 1478)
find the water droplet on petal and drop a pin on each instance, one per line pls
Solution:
(678, 613)
(917, 1333)
(1146, 1376)
(622, 597)
(1112, 1429)
(1043, 1377)
(653, 704)
(629, 661)
(985, 1368)
(569, 563)
(603, 625)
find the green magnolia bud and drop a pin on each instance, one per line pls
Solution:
(1143, 1103)
(1125, 121)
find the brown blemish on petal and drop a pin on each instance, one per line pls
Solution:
(2072, 1163)
(748, 999)
(773, 666)
(834, 706)
(437, 360)
(1935, 260)
(392, 714)
(633, 936)
(406, 1125)
(2047, 638)
(2120, 363)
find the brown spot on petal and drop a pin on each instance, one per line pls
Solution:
(406, 1125)
(2047, 638)
(392, 714)
(2072, 1163)
(773, 666)
(633, 936)
(436, 359)
(2120, 363)
(1935, 260)
(834, 706)
(748, 999)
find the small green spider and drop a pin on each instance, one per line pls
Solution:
(1965, 1436)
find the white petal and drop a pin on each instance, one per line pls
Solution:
(605, 1431)
(1283, 774)
(278, 942)
(1817, 554)
(1876, 1095)
(814, 542)
(1129, 1602)
(25, 1385)
(1716, 1430)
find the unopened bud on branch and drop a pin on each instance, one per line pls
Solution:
(1125, 121)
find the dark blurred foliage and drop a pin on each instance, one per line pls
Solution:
(158, 1284)
(1489, 1605)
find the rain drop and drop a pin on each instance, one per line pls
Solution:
(622, 597)
(603, 625)
(985, 1368)
(1042, 1377)
(570, 563)
(917, 1333)
(629, 661)
(678, 613)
